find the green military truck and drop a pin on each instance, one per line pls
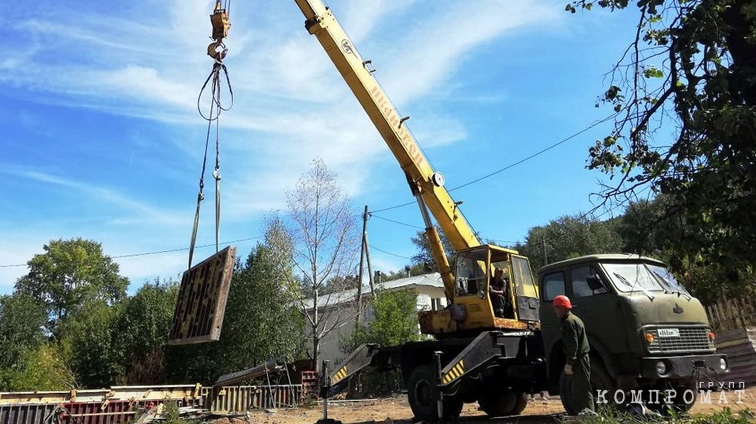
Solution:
(646, 332)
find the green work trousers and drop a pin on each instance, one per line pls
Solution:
(580, 386)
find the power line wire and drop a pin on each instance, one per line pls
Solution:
(393, 207)
(132, 255)
(395, 222)
(158, 252)
(540, 152)
(389, 253)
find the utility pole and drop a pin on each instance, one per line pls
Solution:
(545, 258)
(359, 275)
(364, 256)
(366, 247)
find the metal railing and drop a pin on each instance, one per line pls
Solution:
(243, 398)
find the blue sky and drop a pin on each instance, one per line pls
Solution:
(102, 140)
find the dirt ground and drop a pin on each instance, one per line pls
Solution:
(397, 410)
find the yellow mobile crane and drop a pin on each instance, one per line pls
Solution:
(467, 285)
(481, 353)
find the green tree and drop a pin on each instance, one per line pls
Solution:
(143, 323)
(655, 228)
(91, 345)
(258, 299)
(691, 70)
(70, 275)
(394, 321)
(44, 368)
(568, 237)
(22, 321)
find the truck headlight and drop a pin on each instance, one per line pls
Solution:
(661, 368)
(722, 364)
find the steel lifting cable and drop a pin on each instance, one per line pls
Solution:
(221, 23)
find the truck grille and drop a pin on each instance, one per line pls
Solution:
(695, 339)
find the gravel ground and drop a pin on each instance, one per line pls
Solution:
(397, 410)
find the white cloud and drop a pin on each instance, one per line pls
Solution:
(146, 84)
(433, 50)
(140, 211)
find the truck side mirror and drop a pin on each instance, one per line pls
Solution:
(594, 282)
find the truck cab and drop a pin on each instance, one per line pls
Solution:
(645, 330)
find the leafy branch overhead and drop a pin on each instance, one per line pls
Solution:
(684, 92)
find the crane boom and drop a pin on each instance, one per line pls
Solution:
(392, 127)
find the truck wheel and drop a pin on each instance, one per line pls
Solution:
(423, 394)
(601, 380)
(497, 402)
(522, 402)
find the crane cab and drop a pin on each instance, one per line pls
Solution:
(493, 288)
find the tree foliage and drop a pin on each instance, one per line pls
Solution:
(259, 300)
(325, 240)
(650, 228)
(70, 275)
(110, 340)
(91, 345)
(44, 368)
(653, 228)
(142, 325)
(393, 320)
(22, 319)
(568, 237)
(691, 66)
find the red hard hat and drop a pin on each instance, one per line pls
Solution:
(563, 301)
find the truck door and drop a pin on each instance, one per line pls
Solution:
(526, 290)
(552, 285)
(595, 303)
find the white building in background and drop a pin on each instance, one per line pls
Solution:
(340, 308)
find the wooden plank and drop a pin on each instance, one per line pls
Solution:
(721, 320)
(749, 310)
(201, 303)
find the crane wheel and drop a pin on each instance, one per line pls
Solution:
(423, 395)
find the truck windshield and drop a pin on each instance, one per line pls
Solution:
(668, 279)
(630, 277)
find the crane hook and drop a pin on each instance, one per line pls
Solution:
(221, 24)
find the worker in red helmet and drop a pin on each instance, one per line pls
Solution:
(576, 349)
